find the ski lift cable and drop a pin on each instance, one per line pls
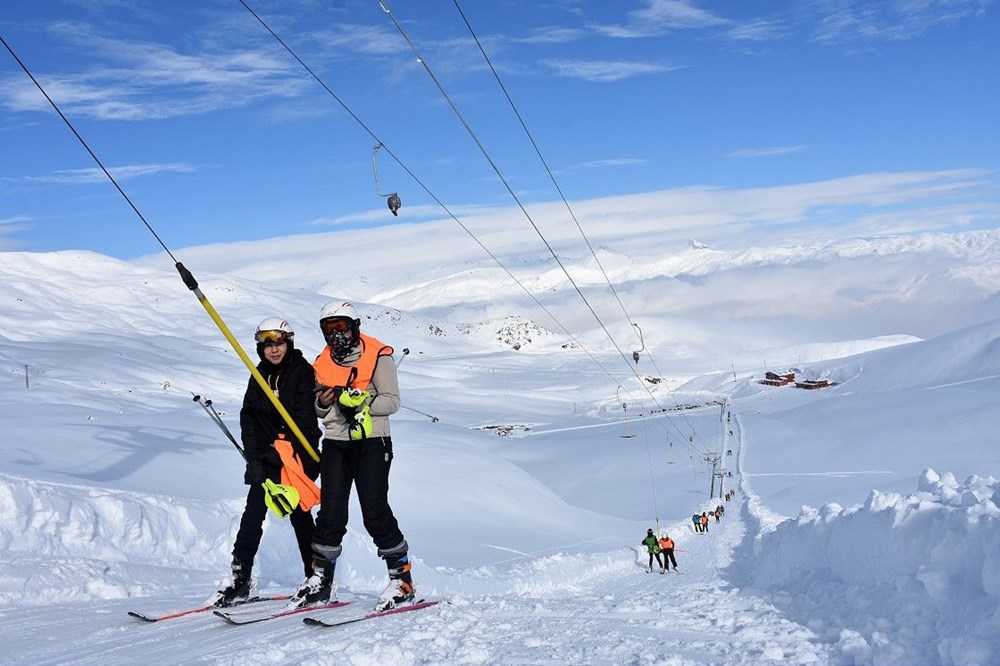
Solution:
(87, 148)
(562, 195)
(652, 483)
(423, 61)
(496, 170)
(189, 278)
(186, 276)
(437, 200)
(548, 170)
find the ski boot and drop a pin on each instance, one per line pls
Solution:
(237, 589)
(319, 588)
(400, 590)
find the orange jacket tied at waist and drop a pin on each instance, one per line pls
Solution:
(293, 475)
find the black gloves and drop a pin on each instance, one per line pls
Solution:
(256, 472)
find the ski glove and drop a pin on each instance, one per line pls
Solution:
(361, 423)
(353, 398)
(256, 472)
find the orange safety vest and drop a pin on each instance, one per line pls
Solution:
(666, 544)
(358, 376)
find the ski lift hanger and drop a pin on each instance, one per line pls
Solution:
(635, 354)
(392, 199)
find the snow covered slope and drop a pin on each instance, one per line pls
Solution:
(117, 489)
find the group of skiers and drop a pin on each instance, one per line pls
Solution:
(662, 548)
(658, 547)
(351, 389)
(700, 521)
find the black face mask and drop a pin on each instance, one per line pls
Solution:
(342, 344)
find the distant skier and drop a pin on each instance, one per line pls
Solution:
(653, 547)
(704, 522)
(292, 379)
(667, 548)
(696, 519)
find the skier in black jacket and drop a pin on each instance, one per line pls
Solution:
(292, 379)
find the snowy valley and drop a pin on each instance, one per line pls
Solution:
(863, 530)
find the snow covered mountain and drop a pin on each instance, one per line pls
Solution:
(118, 493)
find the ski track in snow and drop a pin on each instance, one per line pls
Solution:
(598, 608)
(611, 612)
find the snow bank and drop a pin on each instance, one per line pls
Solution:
(73, 542)
(922, 569)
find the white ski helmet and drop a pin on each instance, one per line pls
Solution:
(274, 329)
(339, 308)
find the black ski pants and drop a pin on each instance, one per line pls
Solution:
(658, 562)
(668, 557)
(364, 464)
(252, 529)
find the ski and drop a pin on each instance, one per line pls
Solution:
(192, 611)
(318, 622)
(250, 617)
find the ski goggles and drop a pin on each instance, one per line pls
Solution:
(336, 325)
(271, 337)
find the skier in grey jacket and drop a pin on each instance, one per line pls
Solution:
(357, 393)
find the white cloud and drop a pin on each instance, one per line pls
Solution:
(757, 30)
(9, 226)
(605, 70)
(95, 175)
(660, 16)
(149, 81)
(364, 39)
(851, 20)
(767, 152)
(13, 221)
(552, 35)
(603, 164)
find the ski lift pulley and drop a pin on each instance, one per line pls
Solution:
(392, 199)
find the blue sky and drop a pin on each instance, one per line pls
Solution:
(218, 134)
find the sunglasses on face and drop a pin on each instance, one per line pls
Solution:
(271, 337)
(339, 325)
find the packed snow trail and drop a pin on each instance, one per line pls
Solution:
(563, 608)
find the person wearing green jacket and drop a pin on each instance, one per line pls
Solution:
(653, 546)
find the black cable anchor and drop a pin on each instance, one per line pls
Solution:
(392, 199)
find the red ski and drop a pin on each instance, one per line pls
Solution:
(249, 617)
(191, 611)
(319, 622)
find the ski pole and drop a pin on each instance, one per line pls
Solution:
(280, 498)
(406, 350)
(212, 414)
